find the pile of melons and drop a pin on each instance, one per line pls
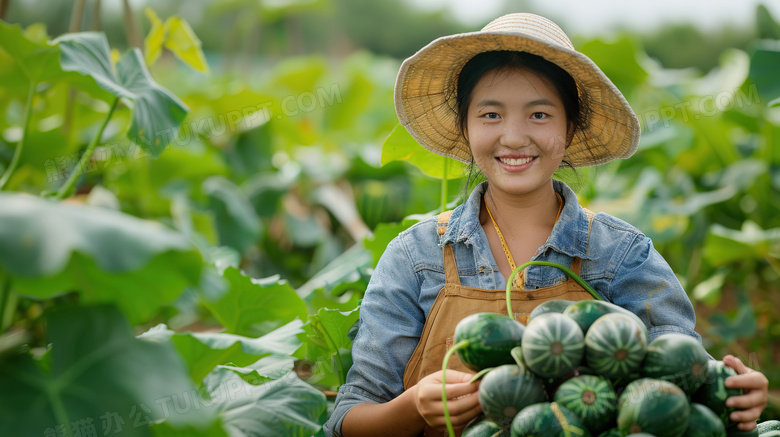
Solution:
(586, 369)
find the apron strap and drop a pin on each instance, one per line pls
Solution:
(450, 267)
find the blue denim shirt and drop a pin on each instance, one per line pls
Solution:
(619, 262)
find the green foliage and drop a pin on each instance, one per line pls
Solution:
(179, 208)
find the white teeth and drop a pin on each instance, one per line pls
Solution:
(510, 161)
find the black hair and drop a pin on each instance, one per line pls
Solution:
(575, 108)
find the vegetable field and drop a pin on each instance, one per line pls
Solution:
(184, 247)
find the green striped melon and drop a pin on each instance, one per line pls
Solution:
(486, 428)
(614, 432)
(653, 406)
(768, 425)
(704, 423)
(615, 346)
(585, 312)
(713, 393)
(548, 419)
(677, 358)
(550, 306)
(491, 338)
(591, 398)
(553, 345)
(506, 390)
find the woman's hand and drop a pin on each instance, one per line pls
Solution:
(752, 402)
(462, 400)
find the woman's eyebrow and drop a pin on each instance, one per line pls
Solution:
(489, 102)
(538, 102)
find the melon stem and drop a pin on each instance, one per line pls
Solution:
(459, 345)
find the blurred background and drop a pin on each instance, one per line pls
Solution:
(289, 164)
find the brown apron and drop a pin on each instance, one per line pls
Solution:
(454, 302)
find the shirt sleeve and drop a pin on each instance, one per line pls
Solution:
(645, 284)
(390, 324)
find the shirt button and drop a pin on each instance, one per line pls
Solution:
(482, 269)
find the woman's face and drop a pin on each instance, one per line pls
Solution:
(516, 126)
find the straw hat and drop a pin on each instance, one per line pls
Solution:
(425, 90)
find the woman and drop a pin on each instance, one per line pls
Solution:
(518, 102)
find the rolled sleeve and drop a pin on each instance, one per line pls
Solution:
(646, 285)
(391, 321)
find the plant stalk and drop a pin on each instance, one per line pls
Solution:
(5, 295)
(4, 4)
(74, 175)
(76, 16)
(459, 345)
(133, 37)
(444, 186)
(25, 128)
(566, 270)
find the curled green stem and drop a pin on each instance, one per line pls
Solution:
(25, 127)
(459, 345)
(67, 188)
(565, 269)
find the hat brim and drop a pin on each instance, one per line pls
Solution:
(425, 97)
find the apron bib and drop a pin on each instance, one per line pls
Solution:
(455, 301)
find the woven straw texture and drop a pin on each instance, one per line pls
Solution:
(425, 94)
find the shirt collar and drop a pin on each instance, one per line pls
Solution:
(569, 235)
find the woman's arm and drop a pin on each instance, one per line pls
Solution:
(753, 401)
(416, 408)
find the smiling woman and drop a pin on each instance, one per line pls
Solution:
(517, 101)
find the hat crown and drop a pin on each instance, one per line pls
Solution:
(532, 25)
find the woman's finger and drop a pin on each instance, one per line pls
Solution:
(755, 398)
(463, 404)
(746, 418)
(748, 381)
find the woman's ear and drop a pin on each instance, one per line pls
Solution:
(570, 134)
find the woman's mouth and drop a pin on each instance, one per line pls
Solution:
(516, 163)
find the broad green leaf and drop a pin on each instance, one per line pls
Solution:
(107, 256)
(400, 146)
(710, 290)
(254, 307)
(327, 332)
(724, 245)
(763, 69)
(38, 60)
(386, 232)
(238, 225)
(285, 407)
(153, 43)
(347, 267)
(157, 113)
(182, 41)
(99, 373)
(619, 61)
(203, 351)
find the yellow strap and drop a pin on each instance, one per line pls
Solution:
(508, 254)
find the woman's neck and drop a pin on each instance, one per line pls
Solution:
(520, 214)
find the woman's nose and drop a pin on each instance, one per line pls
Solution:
(515, 134)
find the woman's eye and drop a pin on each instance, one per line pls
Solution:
(539, 115)
(491, 115)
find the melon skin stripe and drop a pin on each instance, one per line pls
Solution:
(553, 345)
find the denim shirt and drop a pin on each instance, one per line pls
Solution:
(619, 262)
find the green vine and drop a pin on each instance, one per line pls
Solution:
(565, 269)
(67, 188)
(25, 128)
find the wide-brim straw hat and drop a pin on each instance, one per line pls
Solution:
(425, 90)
